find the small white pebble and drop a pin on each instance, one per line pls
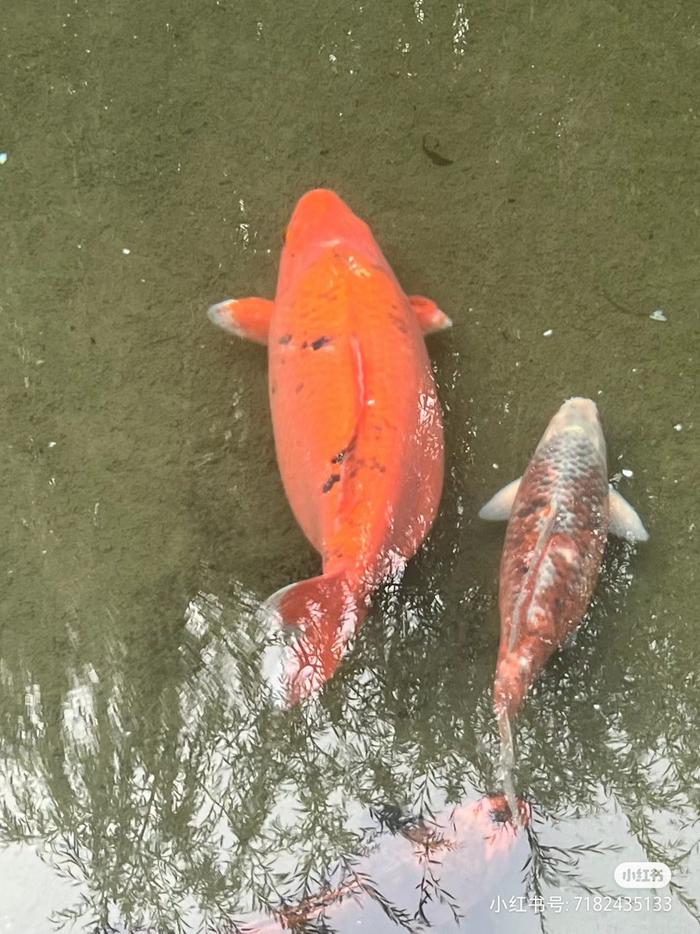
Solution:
(126, 251)
(678, 427)
(658, 315)
(548, 332)
(3, 158)
(627, 473)
(495, 466)
(52, 444)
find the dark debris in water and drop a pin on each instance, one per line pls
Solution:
(430, 148)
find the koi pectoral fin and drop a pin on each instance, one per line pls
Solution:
(499, 506)
(624, 521)
(430, 317)
(244, 317)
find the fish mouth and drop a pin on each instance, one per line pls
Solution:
(321, 218)
(578, 411)
(577, 415)
(578, 407)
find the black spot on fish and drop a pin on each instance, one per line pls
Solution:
(330, 482)
(320, 342)
(531, 508)
(285, 339)
(341, 455)
(526, 511)
(400, 323)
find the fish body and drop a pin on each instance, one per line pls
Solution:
(560, 513)
(356, 418)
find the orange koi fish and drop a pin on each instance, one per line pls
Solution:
(356, 419)
(425, 874)
(561, 511)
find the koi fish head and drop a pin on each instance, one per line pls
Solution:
(320, 220)
(577, 416)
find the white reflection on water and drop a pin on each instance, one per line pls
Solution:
(460, 25)
(24, 908)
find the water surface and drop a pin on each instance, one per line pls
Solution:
(531, 167)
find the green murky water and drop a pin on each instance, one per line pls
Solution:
(532, 167)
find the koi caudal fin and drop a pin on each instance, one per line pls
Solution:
(323, 614)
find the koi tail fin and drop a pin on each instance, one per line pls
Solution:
(323, 613)
(506, 764)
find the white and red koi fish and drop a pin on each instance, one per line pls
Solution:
(559, 513)
(357, 422)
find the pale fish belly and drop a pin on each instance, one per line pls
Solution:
(551, 559)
